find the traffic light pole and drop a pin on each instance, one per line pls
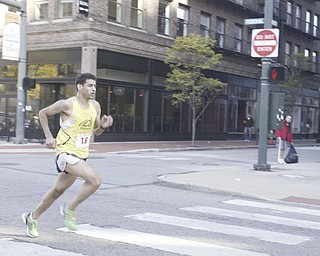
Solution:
(262, 164)
(22, 69)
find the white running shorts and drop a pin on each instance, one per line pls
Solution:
(63, 159)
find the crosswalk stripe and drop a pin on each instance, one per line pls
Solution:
(255, 217)
(8, 247)
(173, 158)
(282, 208)
(160, 242)
(264, 235)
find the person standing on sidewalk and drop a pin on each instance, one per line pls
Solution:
(284, 135)
(79, 120)
(248, 126)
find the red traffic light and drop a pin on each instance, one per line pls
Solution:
(278, 74)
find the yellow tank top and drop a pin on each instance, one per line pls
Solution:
(75, 132)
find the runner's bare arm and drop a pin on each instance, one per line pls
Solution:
(64, 107)
(103, 123)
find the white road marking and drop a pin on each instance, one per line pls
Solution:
(256, 217)
(159, 242)
(26, 150)
(30, 150)
(264, 235)
(282, 208)
(173, 158)
(9, 247)
(310, 148)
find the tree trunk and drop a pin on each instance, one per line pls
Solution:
(193, 126)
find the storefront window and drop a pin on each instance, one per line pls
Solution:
(309, 120)
(141, 99)
(243, 92)
(156, 120)
(127, 107)
(171, 115)
(215, 117)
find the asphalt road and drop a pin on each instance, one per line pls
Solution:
(132, 215)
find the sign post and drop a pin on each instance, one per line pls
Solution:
(264, 45)
(22, 68)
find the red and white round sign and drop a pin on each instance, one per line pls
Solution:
(265, 43)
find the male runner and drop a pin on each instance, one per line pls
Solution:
(79, 119)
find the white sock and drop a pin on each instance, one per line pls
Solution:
(30, 216)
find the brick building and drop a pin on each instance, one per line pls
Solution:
(123, 42)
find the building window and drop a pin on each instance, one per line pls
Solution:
(137, 13)
(298, 17)
(296, 50)
(183, 20)
(308, 21)
(64, 8)
(41, 9)
(307, 53)
(314, 60)
(315, 25)
(205, 25)
(164, 18)
(289, 13)
(288, 49)
(115, 11)
(238, 38)
(220, 34)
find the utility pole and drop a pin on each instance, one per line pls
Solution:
(22, 68)
(262, 164)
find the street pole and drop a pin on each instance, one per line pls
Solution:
(318, 137)
(22, 71)
(262, 164)
(22, 68)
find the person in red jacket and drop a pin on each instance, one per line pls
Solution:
(284, 135)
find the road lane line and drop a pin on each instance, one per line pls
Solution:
(209, 226)
(256, 217)
(160, 242)
(282, 208)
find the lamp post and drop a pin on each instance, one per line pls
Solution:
(318, 137)
(262, 164)
(22, 68)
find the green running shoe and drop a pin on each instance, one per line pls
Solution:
(32, 225)
(69, 218)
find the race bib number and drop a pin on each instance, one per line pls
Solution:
(83, 140)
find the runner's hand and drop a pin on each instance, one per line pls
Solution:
(51, 143)
(106, 121)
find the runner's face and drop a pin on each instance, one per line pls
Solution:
(89, 89)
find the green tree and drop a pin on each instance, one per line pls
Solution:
(188, 58)
(297, 64)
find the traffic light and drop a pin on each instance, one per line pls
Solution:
(278, 73)
(28, 83)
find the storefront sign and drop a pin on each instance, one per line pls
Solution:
(11, 41)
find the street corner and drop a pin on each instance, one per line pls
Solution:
(183, 181)
(210, 181)
(302, 200)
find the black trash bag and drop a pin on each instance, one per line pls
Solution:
(292, 156)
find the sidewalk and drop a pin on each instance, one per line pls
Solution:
(298, 183)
